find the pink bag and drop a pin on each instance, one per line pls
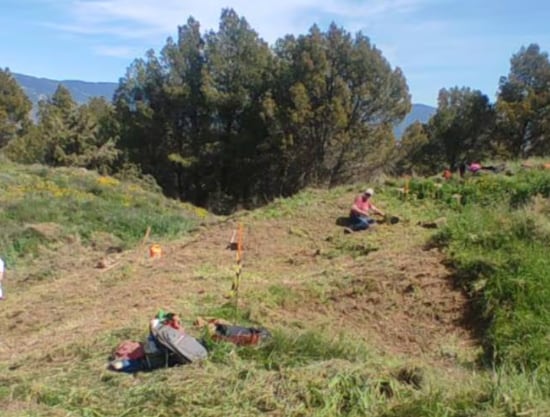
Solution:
(129, 349)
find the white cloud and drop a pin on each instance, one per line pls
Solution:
(118, 31)
(437, 43)
(142, 19)
(115, 51)
(398, 27)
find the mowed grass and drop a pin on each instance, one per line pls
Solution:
(314, 375)
(307, 369)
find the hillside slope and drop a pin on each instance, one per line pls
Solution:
(374, 306)
(372, 323)
(382, 287)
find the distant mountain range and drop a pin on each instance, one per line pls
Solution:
(419, 113)
(82, 91)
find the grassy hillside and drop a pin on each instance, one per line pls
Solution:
(44, 209)
(442, 314)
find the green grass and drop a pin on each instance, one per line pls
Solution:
(502, 259)
(496, 237)
(288, 350)
(486, 190)
(498, 242)
(337, 378)
(230, 383)
(299, 204)
(79, 203)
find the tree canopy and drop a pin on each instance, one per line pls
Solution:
(523, 104)
(467, 127)
(69, 135)
(222, 116)
(15, 108)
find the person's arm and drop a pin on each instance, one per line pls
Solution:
(153, 325)
(376, 210)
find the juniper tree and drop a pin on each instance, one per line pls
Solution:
(523, 105)
(15, 109)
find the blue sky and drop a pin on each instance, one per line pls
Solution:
(437, 43)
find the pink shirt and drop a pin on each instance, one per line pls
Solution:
(474, 167)
(361, 204)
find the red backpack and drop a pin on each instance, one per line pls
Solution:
(130, 350)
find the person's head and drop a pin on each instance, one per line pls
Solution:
(369, 192)
(165, 317)
(173, 320)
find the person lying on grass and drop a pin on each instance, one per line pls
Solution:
(361, 210)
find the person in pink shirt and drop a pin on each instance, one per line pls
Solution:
(475, 167)
(360, 211)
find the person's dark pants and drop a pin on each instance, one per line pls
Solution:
(360, 222)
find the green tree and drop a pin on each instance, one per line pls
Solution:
(223, 119)
(15, 109)
(460, 129)
(70, 135)
(238, 68)
(189, 149)
(57, 115)
(191, 117)
(523, 105)
(135, 102)
(95, 134)
(412, 153)
(28, 148)
(46, 141)
(335, 100)
(161, 113)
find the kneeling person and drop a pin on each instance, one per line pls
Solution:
(361, 209)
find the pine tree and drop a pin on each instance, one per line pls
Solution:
(15, 109)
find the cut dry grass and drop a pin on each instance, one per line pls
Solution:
(356, 331)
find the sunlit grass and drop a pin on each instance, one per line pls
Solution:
(496, 239)
(80, 203)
